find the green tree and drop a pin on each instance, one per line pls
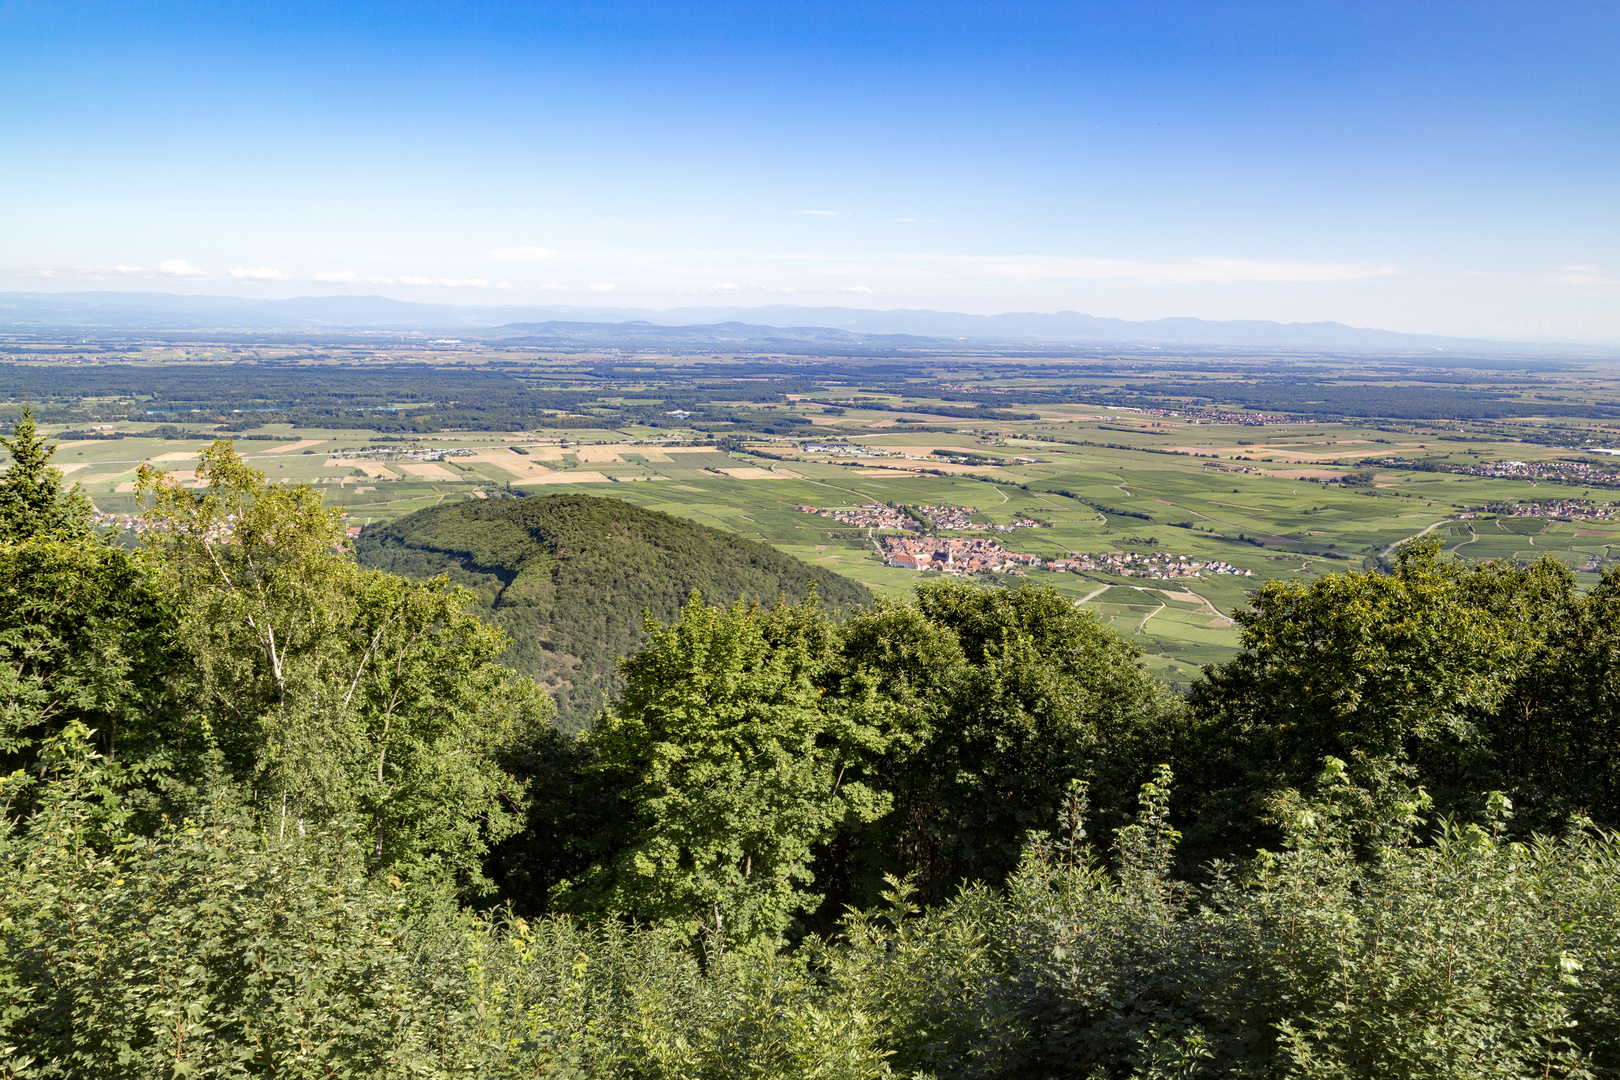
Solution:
(331, 690)
(32, 502)
(87, 637)
(990, 702)
(731, 766)
(1443, 669)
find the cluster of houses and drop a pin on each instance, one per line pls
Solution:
(964, 556)
(1584, 509)
(1242, 419)
(866, 516)
(133, 522)
(1579, 472)
(957, 556)
(843, 450)
(1158, 564)
(398, 453)
(948, 518)
(960, 519)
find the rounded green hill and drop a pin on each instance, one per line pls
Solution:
(568, 576)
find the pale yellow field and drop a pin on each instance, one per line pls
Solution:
(760, 474)
(598, 455)
(427, 470)
(370, 468)
(516, 464)
(567, 476)
(290, 447)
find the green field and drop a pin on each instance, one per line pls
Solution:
(1266, 499)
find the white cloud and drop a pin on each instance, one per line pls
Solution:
(819, 213)
(525, 254)
(727, 289)
(553, 288)
(47, 273)
(855, 289)
(337, 277)
(602, 286)
(178, 268)
(258, 273)
(1583, 275)
(417, 281)
(464, 283)
(1200, 271)
(505, 285)
(107, 271)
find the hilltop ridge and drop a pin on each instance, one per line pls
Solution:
(568, 576)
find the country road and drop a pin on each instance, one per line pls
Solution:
(1418, 536)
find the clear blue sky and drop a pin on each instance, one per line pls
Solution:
(1437, 167)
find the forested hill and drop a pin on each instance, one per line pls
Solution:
(568, 576)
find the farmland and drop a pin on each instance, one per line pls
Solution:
(1103, 458)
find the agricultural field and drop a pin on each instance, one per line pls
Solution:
(742, 445)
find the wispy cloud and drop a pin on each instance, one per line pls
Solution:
(179, 268)
(1197, 271)
(729, 289)
(602, 286)
(1584, 275)
(525, 254)
(259, 273)
(349, 277)
(553, 288)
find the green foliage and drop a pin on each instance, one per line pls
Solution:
(32, 502)
(990, 701)
(568, 576)
(1471, 956)
(216, 950)
(331, 690)
(87, 637)
(250, 780)
(1472, 677)
(727, 759)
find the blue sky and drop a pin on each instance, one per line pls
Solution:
(1450, 168)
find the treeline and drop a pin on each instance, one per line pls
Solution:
(267, 812)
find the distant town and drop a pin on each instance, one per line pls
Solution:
(1557, 508)
(958, 555)
(916, 518)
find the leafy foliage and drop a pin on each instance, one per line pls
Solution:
(331, 690)
(991, 701)
(729, 763)
(251, 784)
(1470, 677)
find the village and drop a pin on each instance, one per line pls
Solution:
(868, 516)
(979, 556)
(916, 518)
(1583, 509)
(960, 519)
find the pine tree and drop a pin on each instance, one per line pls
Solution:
(32, 502)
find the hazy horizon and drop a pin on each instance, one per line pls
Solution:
(1438, 168)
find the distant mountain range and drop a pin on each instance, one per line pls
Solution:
(778, 328)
